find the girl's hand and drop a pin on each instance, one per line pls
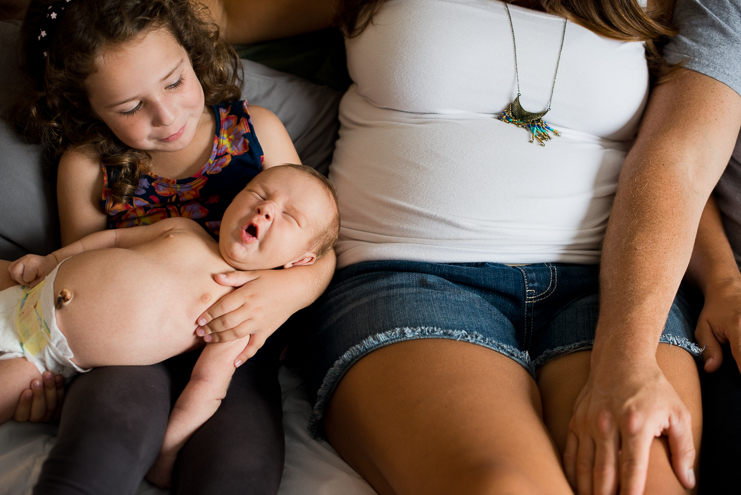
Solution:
(261, 304)
(42, 401)
(31, 268)
(720, 322)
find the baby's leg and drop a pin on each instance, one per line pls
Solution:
(5, 280)
(16, 374)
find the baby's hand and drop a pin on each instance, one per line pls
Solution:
(31, 269)
(720, 322)
(160, 474)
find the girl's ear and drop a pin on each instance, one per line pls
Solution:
(307, 258)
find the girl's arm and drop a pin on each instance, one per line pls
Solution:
(199, 401)
(250, 21)
(79, 192)
(713, 268)
(277, 146)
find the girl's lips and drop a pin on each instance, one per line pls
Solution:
(174, 137)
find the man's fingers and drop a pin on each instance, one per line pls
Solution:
(585, 466)
(636, 444)
(235, 279)
(712, 355)
(682, 448)
(569, 458)
(23, 411)
(606, 457)
(735, 343)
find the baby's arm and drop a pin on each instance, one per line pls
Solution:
(31, 269)
(199, 401)
(713, 268)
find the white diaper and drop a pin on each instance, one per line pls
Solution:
(28, 328)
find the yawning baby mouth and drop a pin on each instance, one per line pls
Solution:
(251, 231)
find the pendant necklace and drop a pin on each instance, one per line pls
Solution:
(515, 114)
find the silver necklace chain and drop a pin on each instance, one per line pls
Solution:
(558, 61)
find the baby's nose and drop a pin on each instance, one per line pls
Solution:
(265, 212)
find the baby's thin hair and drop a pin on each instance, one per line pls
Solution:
(53, 107)
(326, 239)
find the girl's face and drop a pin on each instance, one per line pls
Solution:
(147, 93)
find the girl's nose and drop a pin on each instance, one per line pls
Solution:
(164, 114)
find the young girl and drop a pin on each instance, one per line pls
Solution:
(128, 95)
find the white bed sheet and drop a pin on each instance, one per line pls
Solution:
(311, 468)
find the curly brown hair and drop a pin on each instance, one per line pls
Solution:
(53, 107)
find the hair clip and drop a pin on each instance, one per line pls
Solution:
(56, 13)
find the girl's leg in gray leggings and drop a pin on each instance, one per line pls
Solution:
(112, 425)
(114, 419)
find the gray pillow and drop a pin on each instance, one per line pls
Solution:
(28, 223)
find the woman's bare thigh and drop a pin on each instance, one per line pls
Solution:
(561, 380)
(440, 416)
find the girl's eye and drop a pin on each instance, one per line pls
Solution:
(133, 110)
(176, 84)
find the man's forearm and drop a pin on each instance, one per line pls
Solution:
(685, 142)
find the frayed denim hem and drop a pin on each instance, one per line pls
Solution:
(562, 351)
(374, 342)
(684, 343)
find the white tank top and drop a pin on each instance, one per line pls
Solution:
(426, 172)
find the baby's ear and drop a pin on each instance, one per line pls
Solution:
(308, 258)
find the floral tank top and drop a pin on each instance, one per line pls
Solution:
(235, 159)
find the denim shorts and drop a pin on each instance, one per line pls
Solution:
(529, 313)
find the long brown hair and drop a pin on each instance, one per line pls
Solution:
(623, 20)
(53, 108)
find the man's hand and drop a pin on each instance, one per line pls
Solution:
(31, 268)
(720, 323)
(616, 417)
(42, 402)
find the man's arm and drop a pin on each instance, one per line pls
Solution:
(713, 269)
(684, 143)
(199, 401)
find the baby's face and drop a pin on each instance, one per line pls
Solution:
(274, 220)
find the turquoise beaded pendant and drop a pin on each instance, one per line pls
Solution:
(533, 122)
